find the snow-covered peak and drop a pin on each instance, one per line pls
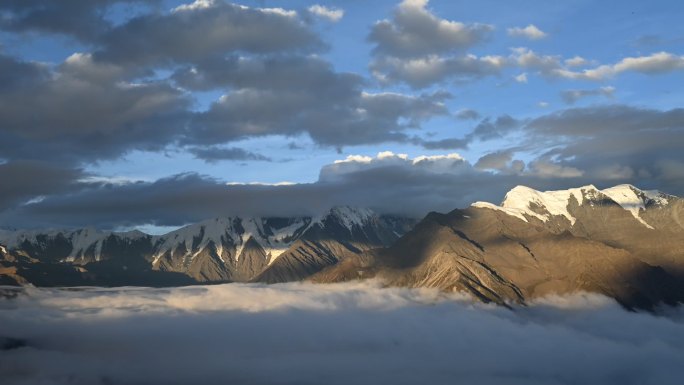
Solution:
(543, 205)
(524, 202)
(81, 240)
(351, 216)
(274, 235)
(3, 250)
(657, 197)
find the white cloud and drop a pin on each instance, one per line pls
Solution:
(332, 14)
(301, 333)
(415, 31)
(529, 32)
(657, 63)
(522, 78)
(197, 4)
(576, 61)
(449, 163)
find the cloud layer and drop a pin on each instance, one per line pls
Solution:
(334, 334)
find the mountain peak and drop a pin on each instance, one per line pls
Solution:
(524, 202)
(349, 216)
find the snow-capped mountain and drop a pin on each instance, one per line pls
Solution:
(622, 242)
(219, 249)
(526, 203)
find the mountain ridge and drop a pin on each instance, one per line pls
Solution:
(540, 243)
(221, 249)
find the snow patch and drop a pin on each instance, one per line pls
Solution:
(351, 216)
(629, 198)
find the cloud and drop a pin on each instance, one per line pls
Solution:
(420, 49)
(425, 71)
(548, 169)
(555, 67)
(630, 139)
(495, 160)
(388, 183)
(467, 114)
(349, 117)
(115, 100)
(654, 64)
(84, 110)
(530, 32)
(414, 32)
(255, 334)
(21, 181)
(217, 154)
(522, 78)
(603, 145)
(81, 19)
(572, 96)
(171, 38)
(576, 61)
(331, 14)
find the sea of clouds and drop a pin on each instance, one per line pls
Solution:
(356, 333)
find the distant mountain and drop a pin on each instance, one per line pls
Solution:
(623, 242)
(216, 250)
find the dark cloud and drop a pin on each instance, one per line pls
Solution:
(194, 33)
(21, 181)
(354, 118)
(615, 143)
(467, 114)
(489, 129)
(333, 334)
(15, 73)
(217, 154)
(573, 96)
(82, 19)
(499, 160)
(86, 111)
(104, 104)
(276, 73)
(444, 144)
(604, 146)
(389, 183)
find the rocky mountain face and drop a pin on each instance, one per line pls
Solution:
(622, 242)
(216, 250)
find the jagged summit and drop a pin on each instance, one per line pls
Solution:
(526, 203)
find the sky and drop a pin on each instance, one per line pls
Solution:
(152, 114)
(281, 334)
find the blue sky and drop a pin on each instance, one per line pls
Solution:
(521, 90)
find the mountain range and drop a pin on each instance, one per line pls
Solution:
(230, 249)
(622, 242)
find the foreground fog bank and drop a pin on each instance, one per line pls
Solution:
(328, 334)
